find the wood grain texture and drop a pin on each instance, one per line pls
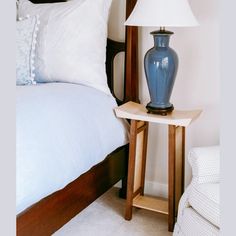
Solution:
(131, 58)
(113, 48)
(175, 171)
(179, 165)
(171, 177)
(138, 160)
(144, 155)
(137, 157)
(137, 163)
(131, 172)
(132, 110)
(183, 159)
(152, 204)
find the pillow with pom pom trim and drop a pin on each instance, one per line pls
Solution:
(26, 34)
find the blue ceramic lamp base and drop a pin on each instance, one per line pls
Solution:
(160, 64)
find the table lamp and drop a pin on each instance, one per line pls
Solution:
(161, 61)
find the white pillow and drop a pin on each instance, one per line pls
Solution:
(72, 41)
(26, 32)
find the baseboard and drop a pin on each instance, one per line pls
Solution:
(153, 189)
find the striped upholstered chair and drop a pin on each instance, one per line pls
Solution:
(199, 211)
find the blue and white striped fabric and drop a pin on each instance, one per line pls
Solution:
(205, 163)
(193, 224)
(205, 199)
(199, 207)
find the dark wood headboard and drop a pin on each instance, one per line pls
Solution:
(130, 47)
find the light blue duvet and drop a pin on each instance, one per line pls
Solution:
(62, 130)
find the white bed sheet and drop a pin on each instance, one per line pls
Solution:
(62, 130)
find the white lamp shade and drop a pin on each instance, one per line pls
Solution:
(162, 13)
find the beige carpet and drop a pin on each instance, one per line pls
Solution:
(105, 217)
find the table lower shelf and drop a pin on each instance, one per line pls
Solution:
(151, 203)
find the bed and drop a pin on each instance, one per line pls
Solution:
(51, 208)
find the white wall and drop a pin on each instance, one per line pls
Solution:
(196, 86)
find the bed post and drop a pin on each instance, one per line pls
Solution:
(131, 88)
(131, 58)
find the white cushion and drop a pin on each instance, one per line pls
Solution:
(26, 32)
(205, 199)
(205, 163)
(193, 224)
(72, 41)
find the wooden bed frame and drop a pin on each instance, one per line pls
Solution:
(52, 212)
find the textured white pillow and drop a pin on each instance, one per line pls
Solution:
(72, 41)
(205, 163)
(26, 33)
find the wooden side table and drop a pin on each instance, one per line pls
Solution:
(176, 121)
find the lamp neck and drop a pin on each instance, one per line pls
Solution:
(161, 38)
(163, 29)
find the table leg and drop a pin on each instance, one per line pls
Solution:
(137, 163)
(175, 171)
(179, 165)
(144, 155)
(171, 178)
(131, 169)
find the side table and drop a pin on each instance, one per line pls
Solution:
(176, 121)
